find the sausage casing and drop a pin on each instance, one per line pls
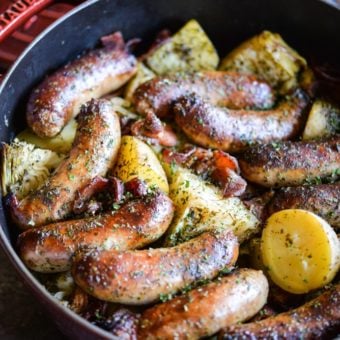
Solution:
(313, 320)
(233, 130)
(207, 309)
(323, 200)
(134, 225)
(143, 276)
(59, 97)
(93, 153)
(221, 88)
(290, 163)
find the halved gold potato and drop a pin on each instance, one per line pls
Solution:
(300, 250)
(323, 120)
(61, 143)
(136, 159)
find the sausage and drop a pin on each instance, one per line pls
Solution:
(59, 97)
(323, 200)
(233, 130)
(313, 320)
(291, 163)
(93, 153)
(134, 225)
(221, 88)
(205, 310)
(143, 276)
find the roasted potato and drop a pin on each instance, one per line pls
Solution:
(323, 120)
(269, 58)
(200, 206)
(189, 49)
(300, 250)
(136, 159)
(60, 143)
(143, 74)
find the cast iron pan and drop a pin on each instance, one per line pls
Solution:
(310, 26)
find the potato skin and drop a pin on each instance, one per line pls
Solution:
(233, 130)
(93, 153)
(313, 320)
(221, 88)
(59, 97)
(141, 276)
(323, 200)
(290, 163)
(205, 310)
(134, 225)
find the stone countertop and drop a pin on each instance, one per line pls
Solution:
(21, 316)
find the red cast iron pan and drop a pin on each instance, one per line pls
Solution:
(310, 26)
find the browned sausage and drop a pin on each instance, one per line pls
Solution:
(221, 88)
(314, 320)
(59, 97)
(134, 225)
(207, 309)
(233, 130)
(93, 153)
(291, 163)
(323, 200)
(143, 276)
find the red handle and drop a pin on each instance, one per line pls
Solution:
(17, 13)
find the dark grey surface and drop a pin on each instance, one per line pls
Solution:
(21, 317)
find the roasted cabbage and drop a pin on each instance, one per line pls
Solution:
(190, 49)
(200, 206)
(269, 58)
(25, 167)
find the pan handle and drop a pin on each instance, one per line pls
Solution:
(17, 13)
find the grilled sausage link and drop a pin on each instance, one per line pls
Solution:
(323, 200)
(207, 309)
(93, 153)
(290, 163)
(221, 88)
(313, 320)
(233, 130)
(142, 276)
(134, 225)
(59, 97)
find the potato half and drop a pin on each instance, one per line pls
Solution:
(136, 159)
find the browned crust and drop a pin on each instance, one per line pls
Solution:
(142, 276)
(218, 87)
(323, 200)
(205, 310)
(93, 153)
(313, 320)
(234, 130)
(132, 226)
(58, 98)
(291, 163)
